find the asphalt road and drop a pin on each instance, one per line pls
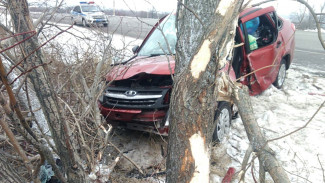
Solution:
(128, 26)
(309, 52)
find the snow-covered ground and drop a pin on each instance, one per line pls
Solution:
(278, 112)
(78, 41)
(315, 30)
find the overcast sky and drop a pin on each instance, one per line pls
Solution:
(284, 7)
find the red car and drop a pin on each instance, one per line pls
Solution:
(139, 93)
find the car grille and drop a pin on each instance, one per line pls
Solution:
(135, 98)
(98, 17)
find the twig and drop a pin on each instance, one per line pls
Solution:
(33, 34)
(140, 170)
(38, 48)
(297, 176)
(16, 145)
(321, 167)
(244, 164)
(252, 169)
(29, 70)
(13, 101)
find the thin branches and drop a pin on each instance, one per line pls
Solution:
(320, 163)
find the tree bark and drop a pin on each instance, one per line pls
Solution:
(45, 92)
(204, 39)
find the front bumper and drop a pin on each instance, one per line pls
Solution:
(94, 21)
(136, 119)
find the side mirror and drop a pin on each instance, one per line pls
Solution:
(135, 49)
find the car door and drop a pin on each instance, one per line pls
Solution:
(79, 15)
(264, 55)
(74, 14)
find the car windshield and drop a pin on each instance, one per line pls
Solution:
(90, 8)
(156, 44)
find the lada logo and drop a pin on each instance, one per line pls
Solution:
(130, 93)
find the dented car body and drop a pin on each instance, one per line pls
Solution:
(139, 91)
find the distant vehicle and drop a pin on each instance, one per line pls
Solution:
(139, 94)
(88, 13)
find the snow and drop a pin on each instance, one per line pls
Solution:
(78, 41)
(314, 30)
(279, 112)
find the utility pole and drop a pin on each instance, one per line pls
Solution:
(113, 7)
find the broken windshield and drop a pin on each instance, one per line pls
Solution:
(156, 43)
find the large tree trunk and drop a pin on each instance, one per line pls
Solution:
(205, 38)
(45, 92)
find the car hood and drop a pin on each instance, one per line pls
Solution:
(95, 13)
(158, 65)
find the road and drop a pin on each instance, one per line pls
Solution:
(128, 26)
(308, 53)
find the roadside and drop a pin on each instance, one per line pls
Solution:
(278, 112)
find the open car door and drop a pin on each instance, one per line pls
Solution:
(263, 45)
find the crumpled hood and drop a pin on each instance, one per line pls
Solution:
(150, 65)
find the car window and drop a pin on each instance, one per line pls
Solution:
(260, 32)
(77, 9)
(86, 8)
(156, 43)
(280, 21)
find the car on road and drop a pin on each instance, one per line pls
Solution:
(88, 13)
(138, 95)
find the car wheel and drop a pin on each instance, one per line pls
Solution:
(222, 122)
(72, 21)
(279, 81)
(105, 25)
(84, 23)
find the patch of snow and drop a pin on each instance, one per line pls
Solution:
(77, 41)
(279, 112)
(314, 30)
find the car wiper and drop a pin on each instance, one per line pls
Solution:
(157, 54)
(126, 61)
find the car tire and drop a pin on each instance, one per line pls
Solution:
(105, 25)
(222, 121)
(72, 21)
(84, 23)
(280, 78)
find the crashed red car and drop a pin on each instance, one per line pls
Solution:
(139, 93)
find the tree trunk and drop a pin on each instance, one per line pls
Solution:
(204, 28)
(45, 92)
